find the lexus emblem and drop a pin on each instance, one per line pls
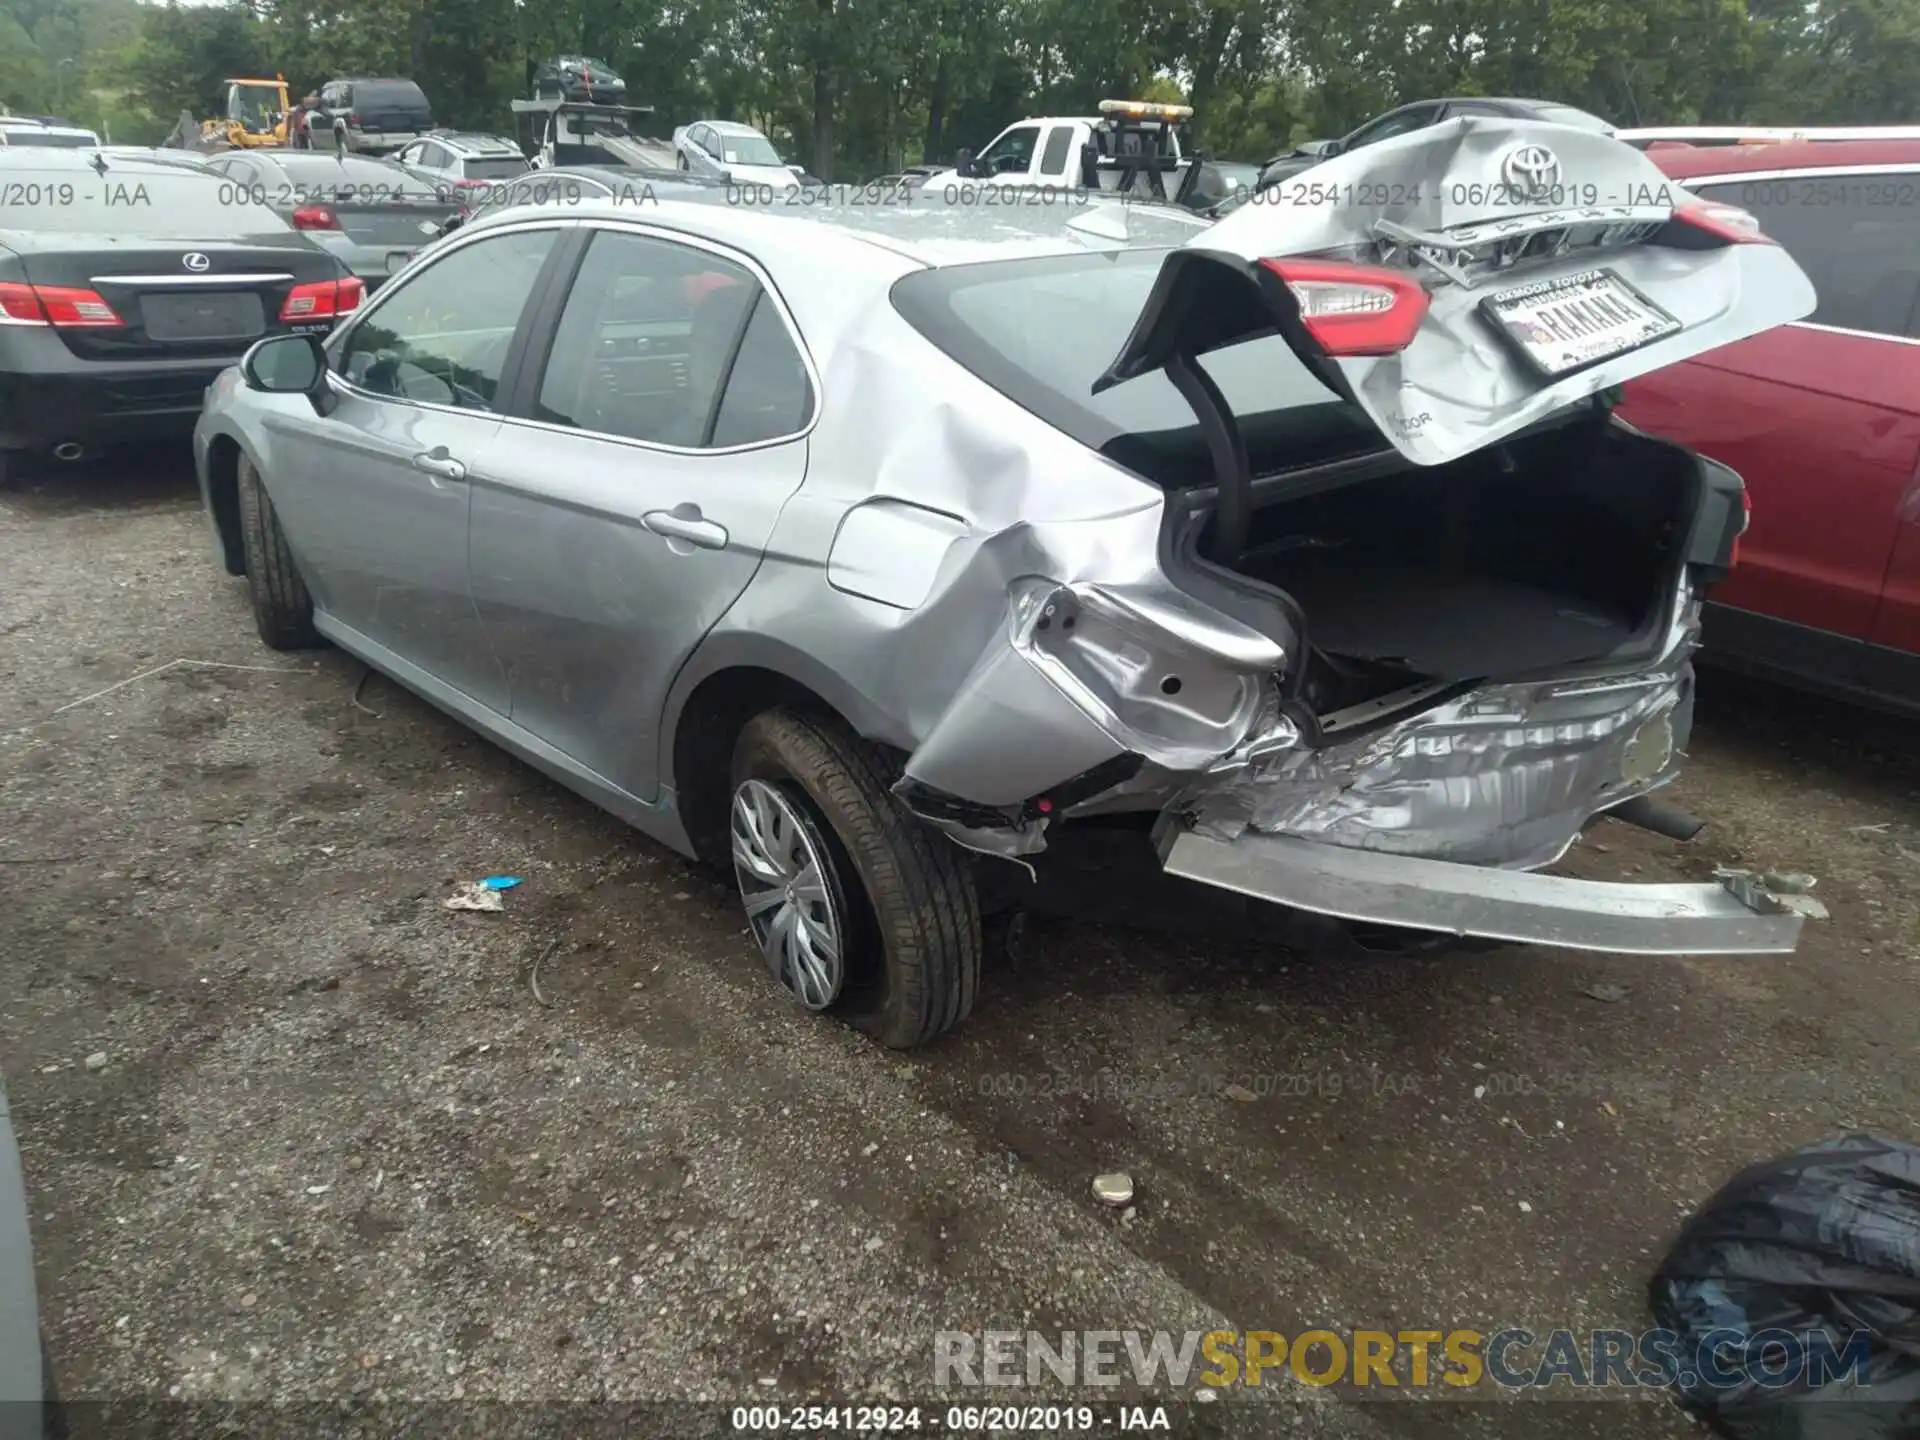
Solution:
(196, 262)
(1531, 172)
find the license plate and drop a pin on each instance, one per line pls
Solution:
(1565, 325)
(219, 316)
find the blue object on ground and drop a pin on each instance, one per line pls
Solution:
(500, 882)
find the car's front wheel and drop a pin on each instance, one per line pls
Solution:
(282, 609)
(680, 159)
(854, 904)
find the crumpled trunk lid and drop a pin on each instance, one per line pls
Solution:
(1546, 264)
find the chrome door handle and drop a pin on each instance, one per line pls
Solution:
(690, 528)
(438, 462)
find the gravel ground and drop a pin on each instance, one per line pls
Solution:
(339, 1148)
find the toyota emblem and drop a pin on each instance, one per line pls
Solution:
(196, 262)
(1531, 172)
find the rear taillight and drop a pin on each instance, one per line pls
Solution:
(323, 299)
(1722, 221)
(315, 217)
(67, 306)
(1354, 310)
(1746, 519)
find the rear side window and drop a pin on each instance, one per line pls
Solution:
(1053, 159)
(164, 203)
(768, 394)
(1041, 331)
(644, 341)
(1856, 236)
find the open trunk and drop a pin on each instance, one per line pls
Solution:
(1556, 551)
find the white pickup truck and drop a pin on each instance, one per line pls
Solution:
(1127, 135)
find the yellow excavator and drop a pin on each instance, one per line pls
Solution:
(256, 116)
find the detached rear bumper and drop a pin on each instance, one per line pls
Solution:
(1516, 905)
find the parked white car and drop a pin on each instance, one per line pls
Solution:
(728, 150)
(456, 160)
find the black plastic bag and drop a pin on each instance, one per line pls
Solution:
(1794, 1295)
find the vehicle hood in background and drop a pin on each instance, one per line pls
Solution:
(1468, 209)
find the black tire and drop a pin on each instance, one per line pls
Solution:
(913, 962)
(680, 160)
(282, 609)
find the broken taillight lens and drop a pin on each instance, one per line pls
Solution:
(1722, 221)
(70, 307)
(323, 299)
(1354, 310)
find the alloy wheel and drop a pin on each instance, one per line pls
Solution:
(780, 861)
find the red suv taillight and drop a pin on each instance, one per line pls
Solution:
(323, 299)
(67, 306)
(1354, 309)
(315, 217)
(1722, 221)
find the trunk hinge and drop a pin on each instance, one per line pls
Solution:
(1227, 447)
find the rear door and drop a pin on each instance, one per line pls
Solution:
(656, 437)
(1462, 282)
(1821, 418)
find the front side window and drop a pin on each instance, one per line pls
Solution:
(440, 336)
(647, 340)
(1856, 236)
(1012, 151)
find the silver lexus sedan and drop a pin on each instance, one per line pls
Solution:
(862, 548)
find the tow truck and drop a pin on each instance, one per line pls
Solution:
(1132, 147)
(555, 132)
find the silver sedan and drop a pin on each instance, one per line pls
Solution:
(862, 550)
(371, 214)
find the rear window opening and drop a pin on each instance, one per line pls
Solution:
(504, 167)
(1040, 331)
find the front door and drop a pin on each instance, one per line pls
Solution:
(632, 492)
(379, 489)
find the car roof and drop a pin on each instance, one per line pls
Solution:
(732, 127)
(82, 157)
(1694, 161)
(927, 230)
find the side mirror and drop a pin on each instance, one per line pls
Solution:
(286, 365)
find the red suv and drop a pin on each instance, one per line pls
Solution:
(1821, 417)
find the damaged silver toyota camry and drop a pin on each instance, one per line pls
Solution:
(862, 548)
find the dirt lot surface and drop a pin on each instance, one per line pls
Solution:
(338, 1147)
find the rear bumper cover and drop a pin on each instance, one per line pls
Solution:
(73, 399)
(1439, 895)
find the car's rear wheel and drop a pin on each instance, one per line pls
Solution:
(282, 609)
(855, 905)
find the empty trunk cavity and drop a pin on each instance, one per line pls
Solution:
(1557, 552)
